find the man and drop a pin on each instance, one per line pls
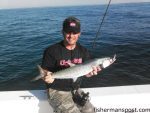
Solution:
(59, 56)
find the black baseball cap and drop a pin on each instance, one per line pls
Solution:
(71, 24)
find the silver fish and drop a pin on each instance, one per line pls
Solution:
(75, 71)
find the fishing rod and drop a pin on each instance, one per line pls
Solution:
(98, 32)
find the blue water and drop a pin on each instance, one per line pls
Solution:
(25, 33)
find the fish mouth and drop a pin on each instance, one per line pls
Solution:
(113, 59)
(108, 62)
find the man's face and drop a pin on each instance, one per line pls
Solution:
(71, 38)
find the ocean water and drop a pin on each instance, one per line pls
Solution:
(25, 33)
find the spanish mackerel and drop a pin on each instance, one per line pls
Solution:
(75, 71)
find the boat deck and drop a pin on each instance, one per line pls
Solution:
(105, 99)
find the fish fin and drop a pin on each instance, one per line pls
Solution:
(71, 64)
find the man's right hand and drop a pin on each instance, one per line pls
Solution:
(48, 77)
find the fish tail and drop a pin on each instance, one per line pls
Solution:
(39, 76)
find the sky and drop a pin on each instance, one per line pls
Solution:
(8, 4)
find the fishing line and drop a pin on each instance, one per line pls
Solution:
(98, 32)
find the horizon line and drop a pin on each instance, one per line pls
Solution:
(29, 7)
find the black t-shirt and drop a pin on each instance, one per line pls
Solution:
(57, 56)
